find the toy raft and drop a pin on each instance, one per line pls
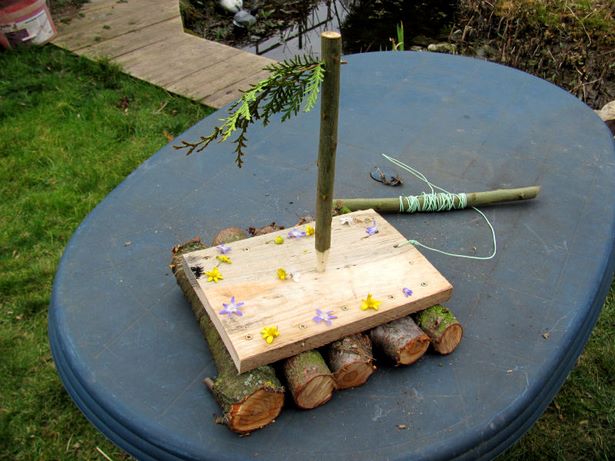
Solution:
(268, 302)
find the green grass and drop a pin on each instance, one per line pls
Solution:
(579, 423)
(70, 130)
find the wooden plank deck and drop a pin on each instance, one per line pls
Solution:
(147, 39)
(358, 266)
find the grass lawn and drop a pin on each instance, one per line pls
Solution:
(70, 131)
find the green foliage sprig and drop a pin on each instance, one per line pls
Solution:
(290, 83)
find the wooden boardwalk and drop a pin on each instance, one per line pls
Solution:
(147, 39)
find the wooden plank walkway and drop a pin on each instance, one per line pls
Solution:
(147, 39)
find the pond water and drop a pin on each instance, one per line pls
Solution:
(365, 25)
(303, 34)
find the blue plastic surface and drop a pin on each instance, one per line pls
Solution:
(129, 351)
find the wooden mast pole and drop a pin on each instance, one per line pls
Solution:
(331, 50)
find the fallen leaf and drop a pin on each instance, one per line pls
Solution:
(387, 179)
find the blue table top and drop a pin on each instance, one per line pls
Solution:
(131, 355)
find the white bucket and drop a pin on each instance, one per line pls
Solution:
(25, 21)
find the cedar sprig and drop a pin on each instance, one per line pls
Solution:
(290, 83)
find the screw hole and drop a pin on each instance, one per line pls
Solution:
(424, 284)
(344, 308)
(302, 326)
(248, 337)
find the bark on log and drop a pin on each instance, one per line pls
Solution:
(310, 381)
(249, 401)
(351, 360)
(229, 235)
(442, 326)
(401, 340)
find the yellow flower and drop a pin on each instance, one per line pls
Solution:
(279, 240)
(309, 230)
(370, 303)
(224, 259)
(214, 275)
(282, 275)
(270, 333)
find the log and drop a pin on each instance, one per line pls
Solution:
(228, 235)
(442, 327)
(351, 361)
(249, 401)
(392, 205)
(310, 381)
(400, 340)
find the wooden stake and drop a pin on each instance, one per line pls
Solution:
(331, 49)
(391, 205)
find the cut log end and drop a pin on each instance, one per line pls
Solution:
(450, 339)
(442, 327)
(351, 360)
(256, 411)
(309, 379)
(413, 350)
(353, 375)
(316, 392)
(401, 340)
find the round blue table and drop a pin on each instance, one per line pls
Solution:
(129, 351)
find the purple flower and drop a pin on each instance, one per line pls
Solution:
(324, 317)
(407, 292)
(296, 233)
(232, 308)
(224, 249)
(373, 229)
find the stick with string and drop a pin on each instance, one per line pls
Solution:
(442, 200)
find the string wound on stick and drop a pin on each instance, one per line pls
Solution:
(441, 201)
(437, 201)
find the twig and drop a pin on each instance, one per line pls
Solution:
(104, 454)
(161, 108)
(582, 25)
(284, 91)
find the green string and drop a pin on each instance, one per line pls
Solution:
(433, 202)
(441, 201)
